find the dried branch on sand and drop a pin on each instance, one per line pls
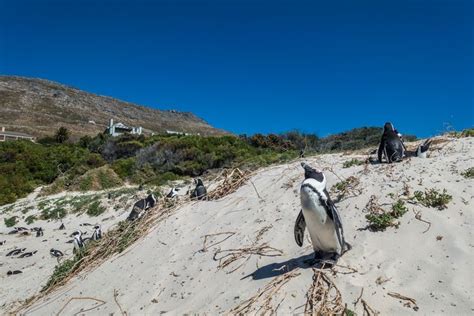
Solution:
(409, 301)
(261, 303)
(232, 181)
(228, 256)
(323, 297)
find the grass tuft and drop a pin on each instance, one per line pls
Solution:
(433, 198)
(380, 220)
(352, 162)
(468, 173)
(9, 222)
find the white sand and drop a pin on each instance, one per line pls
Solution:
(166, 271)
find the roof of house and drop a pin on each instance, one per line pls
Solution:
(15, 134)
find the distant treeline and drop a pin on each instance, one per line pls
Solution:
(157, 159)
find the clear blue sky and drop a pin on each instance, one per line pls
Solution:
(257, 66)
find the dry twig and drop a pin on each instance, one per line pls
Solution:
(82, 298)
(323, 297)
(116, 301)
(405, 298)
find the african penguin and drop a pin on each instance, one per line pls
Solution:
(141, 206)
(56, 253)
(391, 146)
(3, 242)
(173, 192)
(200, 191)
(321, 217)
(15, 252)
(77, 241)
(422, 150)
(97, 234)
(27, 254)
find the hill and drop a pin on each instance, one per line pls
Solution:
(39, 107)
(237, 254)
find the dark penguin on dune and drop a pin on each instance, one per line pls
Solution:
(200, 191)
(77, 241)
(27, 254)
(321, 217)
(97, 234)
(56, 253)
(141, 206)
(391, 146)
(15, 252)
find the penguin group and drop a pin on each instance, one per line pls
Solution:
(79, 242)
(141, 206)
(392, 149)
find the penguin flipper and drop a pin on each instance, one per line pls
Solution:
(300, 226)
(338, 225)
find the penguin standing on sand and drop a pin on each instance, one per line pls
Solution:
(97, 234)
(77, 241)
(173, 193)
(321, 217)
(200, 191)
(391, 146)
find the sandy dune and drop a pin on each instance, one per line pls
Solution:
(169, 271)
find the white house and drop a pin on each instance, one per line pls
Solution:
(118, 129)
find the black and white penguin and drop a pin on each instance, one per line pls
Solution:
(15, 252)
(422, 150)
(56, 253)
(62, 227)
(78, 242)
(321, 217)
(38, 230)
(97, 234)
(3, 242)
(27, 254)
(14, 272)
(200, 191)
(391, 146)
(141, 206)
(173, 193)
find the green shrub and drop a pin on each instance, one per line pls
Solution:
(468, 173)
(433, 198)
(9, 222)
(30, 219)
(53, 213)
(352, 162)
(95, 209)
(382, 220)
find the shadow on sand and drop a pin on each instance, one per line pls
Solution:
(275, 269)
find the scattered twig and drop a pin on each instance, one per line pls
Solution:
(264, 296)
(369, 311)
(405, 298)
(204, 244)
(323, 297)
(360, 296)
(116, 301)
(82, 298)
(418, 217)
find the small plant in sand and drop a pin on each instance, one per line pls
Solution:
(468, 173)
(9, 222)
(95, 209)
(30, 219)
(63, 270)
(379, 219)
(433, 198)
(346, 184)
(352, 162)
(53, 213)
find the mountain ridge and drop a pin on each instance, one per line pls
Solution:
(39, 106)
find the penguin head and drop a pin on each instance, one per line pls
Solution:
(199, 182)
(313, 173)
(388, 127)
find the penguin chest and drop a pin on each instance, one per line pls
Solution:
(320, 226)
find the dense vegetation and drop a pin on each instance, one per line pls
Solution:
(155, 160)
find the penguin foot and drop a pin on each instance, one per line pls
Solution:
(318, 256)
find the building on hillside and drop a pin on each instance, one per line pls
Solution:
(6, 136)
(118, 129)
(181, 133)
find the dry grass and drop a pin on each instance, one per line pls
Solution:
(232, 180)
(262, 303)
(323, 297)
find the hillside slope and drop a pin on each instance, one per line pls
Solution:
(170, 269)
(39, 107)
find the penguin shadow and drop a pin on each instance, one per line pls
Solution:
(279, 268)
